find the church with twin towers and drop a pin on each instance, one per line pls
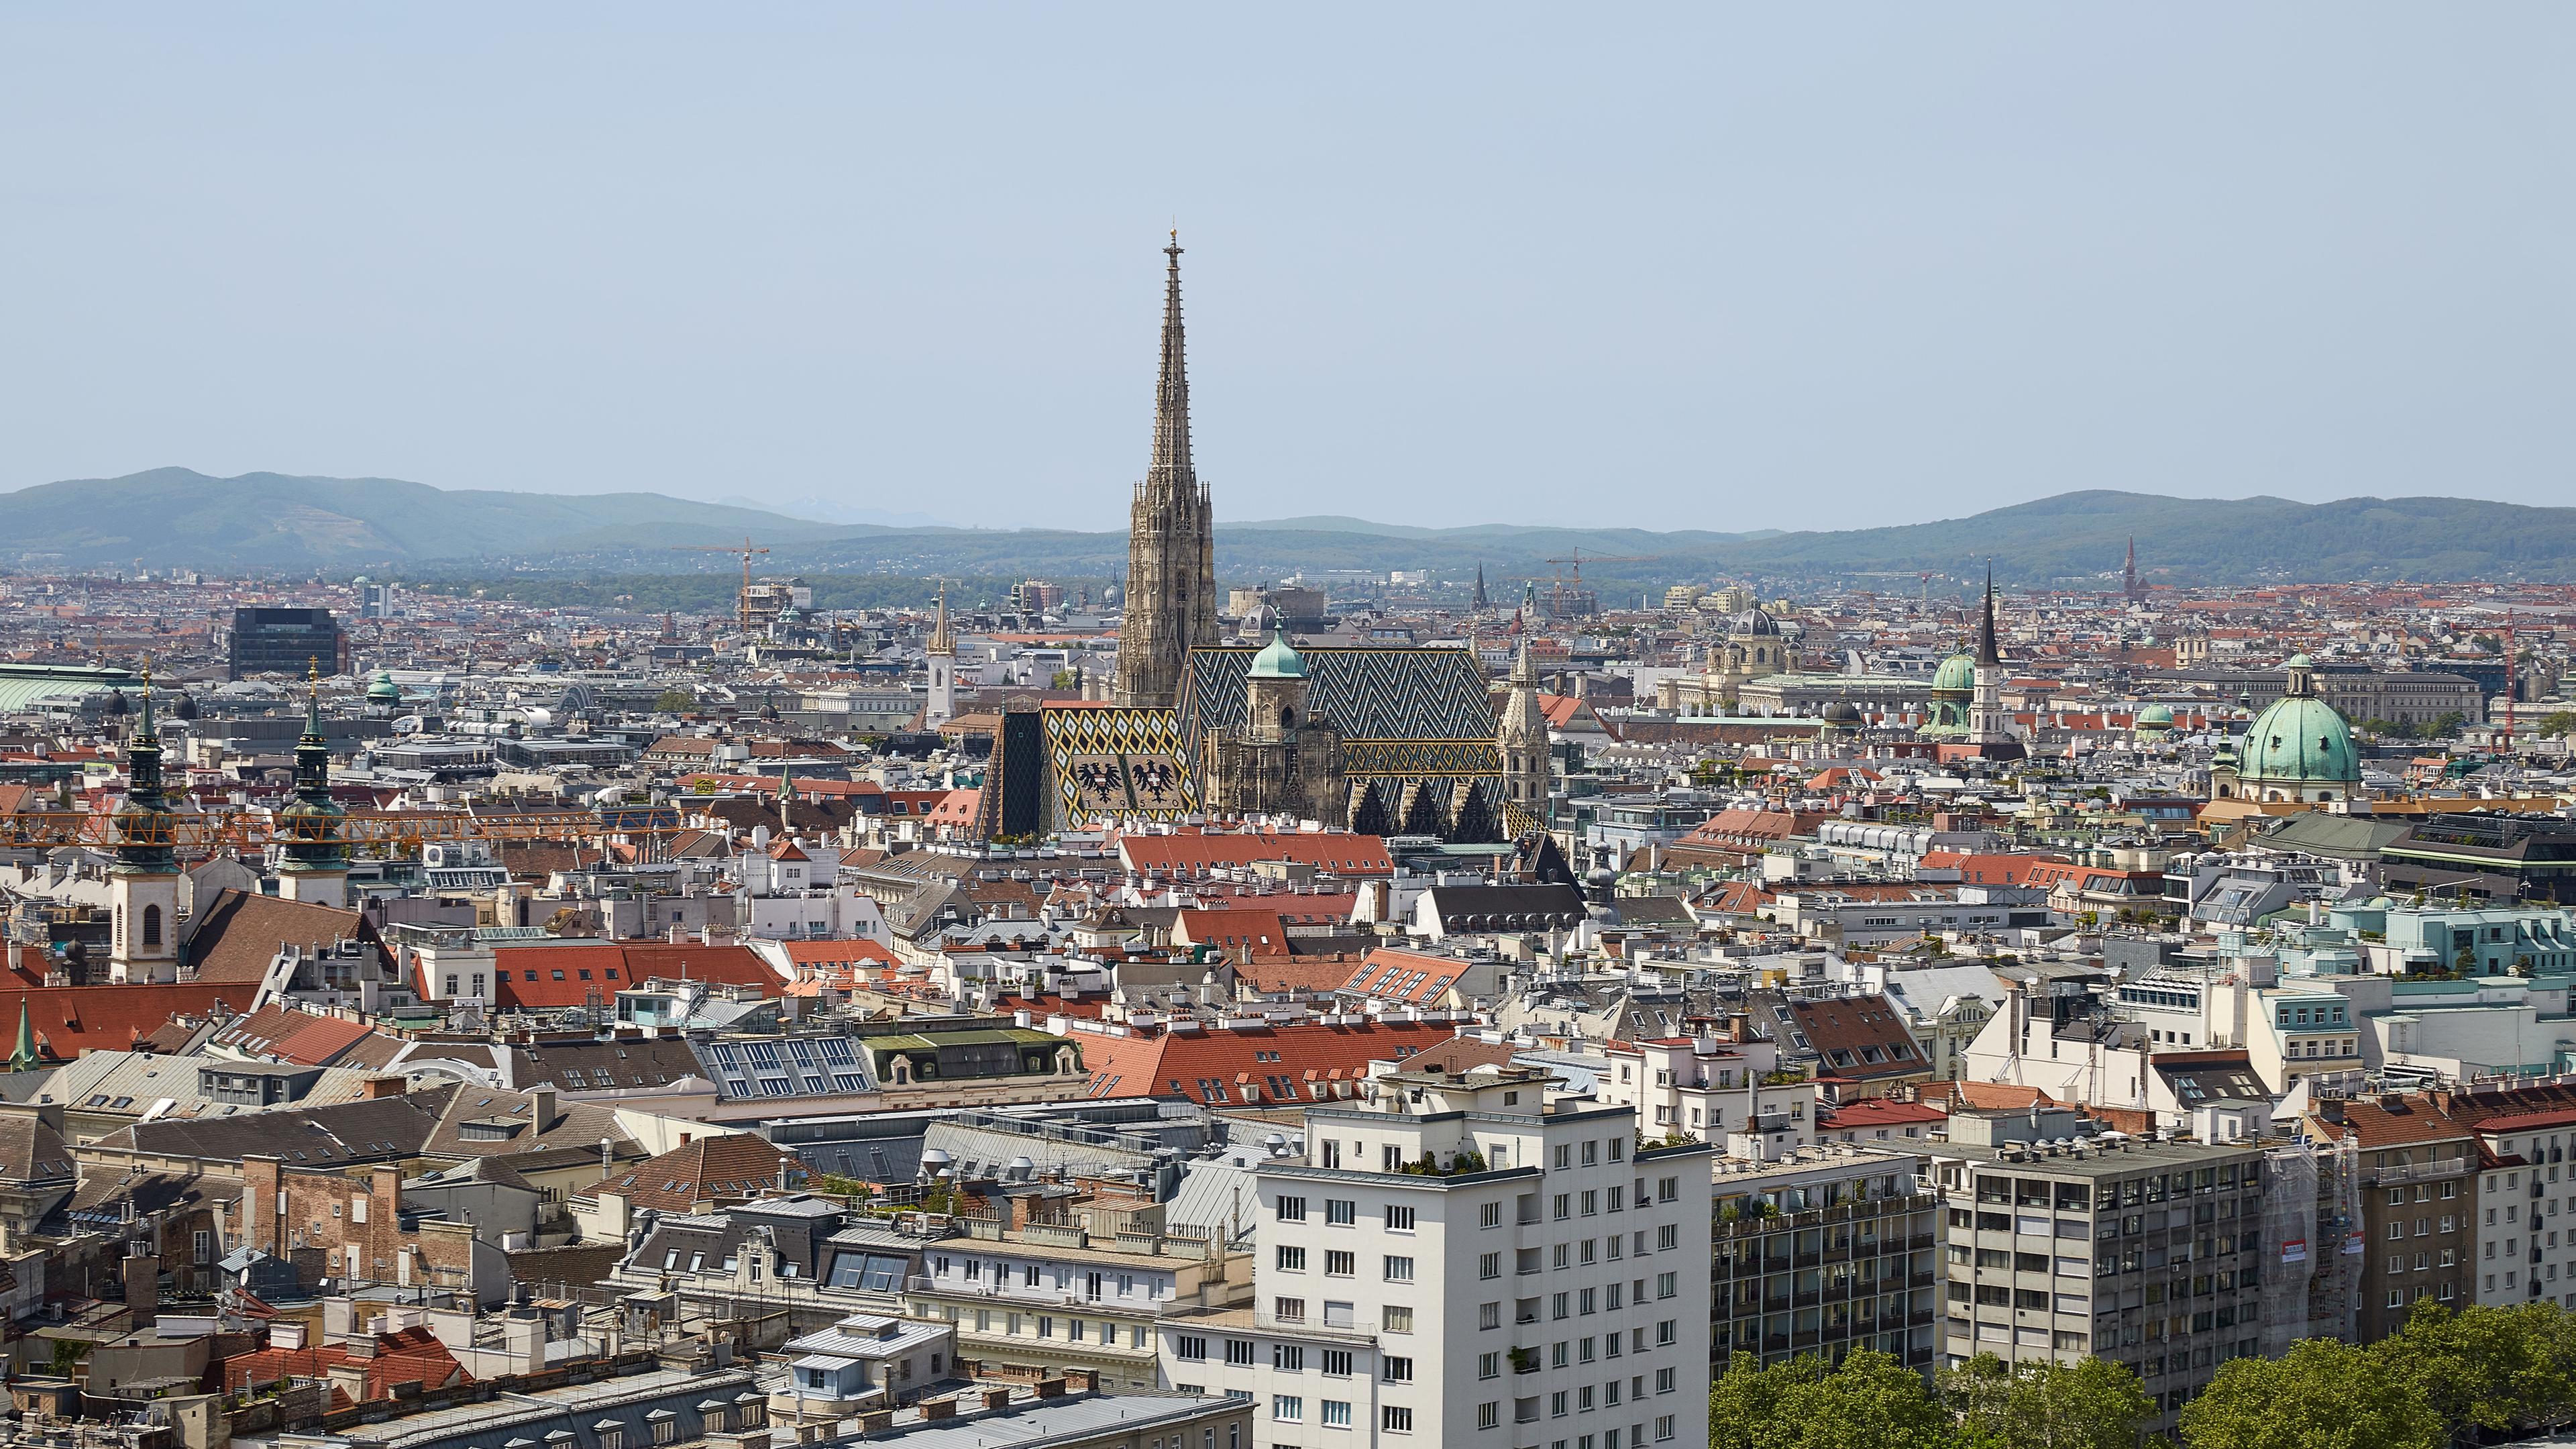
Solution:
(1380, 740)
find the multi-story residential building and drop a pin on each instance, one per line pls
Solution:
(2418, 1192)
(2526, 1208)
(2292, 1030)
(2506, 939)
(1706, 1086)
(1039, 1297)
(1827, 1250)
(2064, 1243)
(1469, 1259)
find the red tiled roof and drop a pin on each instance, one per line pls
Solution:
(547, 977)
(70, 1020)
(1742, 828)
(1998, 1095)
(1560, 710)
(2528, 1121)
(711, 1168)
(1413, 977)
(412, 1355)
(2003, 869)
(843, 952)
(1874, 1112)
(1279, 1063)
(1231, 928)
(304, 1037)
(1321, 975)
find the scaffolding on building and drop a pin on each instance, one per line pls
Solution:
(2311, 1228)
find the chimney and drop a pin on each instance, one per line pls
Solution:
(936, 1409)
(1050, 1388)
(541, 1106)
(142, 1276)
(376, 1089)
(997, 1399)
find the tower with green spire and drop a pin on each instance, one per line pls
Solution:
(316, 867)
(143, 885)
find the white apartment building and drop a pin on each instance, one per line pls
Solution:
(1044, 1297)
(1469, 1260)
(2526, 1223)
(1709, 1087)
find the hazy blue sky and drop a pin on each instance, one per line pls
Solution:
(1707, 266)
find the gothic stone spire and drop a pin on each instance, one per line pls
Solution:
(1170, 470)
(1987, 652)
(1170, 606)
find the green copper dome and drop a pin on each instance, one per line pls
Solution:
(1958, 672)
(2299, 738)
(1277, 660)
(2155, 717)
(381, 689)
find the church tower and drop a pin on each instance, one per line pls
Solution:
(316, 867)
(143, 885)
(1523, 739)
(1987, 722)
(1171, 540)
(941, 659)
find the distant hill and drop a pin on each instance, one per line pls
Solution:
(174, 517)
(2074, 540)
(262, 522)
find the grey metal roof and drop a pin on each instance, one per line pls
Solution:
(580, 1410)
(1034, 1423)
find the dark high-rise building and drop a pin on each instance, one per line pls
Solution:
(1171, 538)
(286, 641)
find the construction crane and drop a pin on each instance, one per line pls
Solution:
(742, 601)
(1566, 598)
(1579, 559)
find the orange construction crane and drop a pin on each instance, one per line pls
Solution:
(742, 602)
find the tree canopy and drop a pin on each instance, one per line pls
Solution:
(2446, 1378)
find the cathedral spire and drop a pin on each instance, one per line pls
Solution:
(1987, 652)
(1171, 468)
(1170, 604)
(1521, 737)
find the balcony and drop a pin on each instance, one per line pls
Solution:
(2418, 1171)
(1312, 1325)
